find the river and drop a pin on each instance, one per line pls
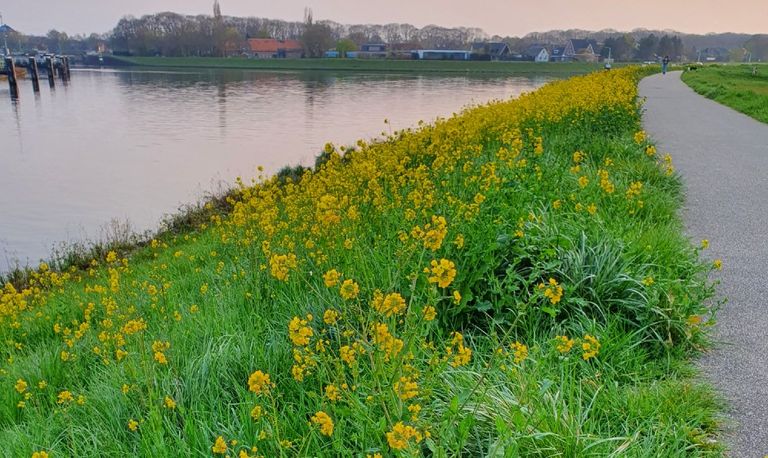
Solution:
(134, 145)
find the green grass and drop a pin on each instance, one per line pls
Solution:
(363, 65)
(507, 182)
(734, 86)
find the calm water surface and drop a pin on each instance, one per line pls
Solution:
(135, 145)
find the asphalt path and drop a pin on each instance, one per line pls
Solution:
(722, 156)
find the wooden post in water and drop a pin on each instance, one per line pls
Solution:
(66, 66)
(51, 71)
(62, 71)
(35, 74)
(10, 68)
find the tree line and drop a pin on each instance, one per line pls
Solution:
(177, 35)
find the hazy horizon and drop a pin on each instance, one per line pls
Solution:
(495, 17)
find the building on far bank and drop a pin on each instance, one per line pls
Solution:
(372, 51)
(582, 50)
(558, 55)
(490, 51)
(536, 53)
(441, 54)
(270, 48)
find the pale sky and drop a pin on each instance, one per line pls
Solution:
(502, 17)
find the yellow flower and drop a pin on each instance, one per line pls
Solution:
(330, 317)
(564, 344)
(347, 354)
(520, 352)
(430, 313)
(111, 257)
(256, 412)
(259, 383)
(299, 332)
(219, 446)
(391, 304)
(349, 289)
(456, 297)
(704, 244)
(169, 403)
(583, 181)
(406, 388)
(717, 264)
(325, 423)
(65, 397)
(133, 425)
(400, 436)
(21, 386)
(552, 291)
(40, 454)
(590, 346)
(332, 393)
(443, 272)
(160, 357)
(640, 137)
(648, 281)
(414, 409)
(281, 264)
(331, 278)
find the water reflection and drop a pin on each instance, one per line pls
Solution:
(136, 144)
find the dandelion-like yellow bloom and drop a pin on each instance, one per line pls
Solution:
(133, 425)
(442, 272)
(40, 454)
(717, 264)
(259, 383)
(349, 289)
(640, 137)
(583, 181)
(219, 446)
(324, 421)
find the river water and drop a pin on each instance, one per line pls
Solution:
(128, 145)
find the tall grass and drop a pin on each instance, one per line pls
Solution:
(510, 281)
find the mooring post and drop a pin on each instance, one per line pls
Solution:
(62, 72)
(66, 65)
(10, 68)
(51, 71)
(35, 74)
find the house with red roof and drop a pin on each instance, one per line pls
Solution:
(270, 48)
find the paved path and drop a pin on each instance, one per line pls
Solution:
(723, 158)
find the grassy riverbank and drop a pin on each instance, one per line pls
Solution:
(363, 65)
(510, 281)
(735, 86)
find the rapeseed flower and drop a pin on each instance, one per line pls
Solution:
(349, 289)
(322, 420)
(442, 272)
(259, 383)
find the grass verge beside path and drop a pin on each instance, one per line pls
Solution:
(735, 86)
(363, 65)
(512, 281)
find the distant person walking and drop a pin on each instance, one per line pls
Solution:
(664, 64)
